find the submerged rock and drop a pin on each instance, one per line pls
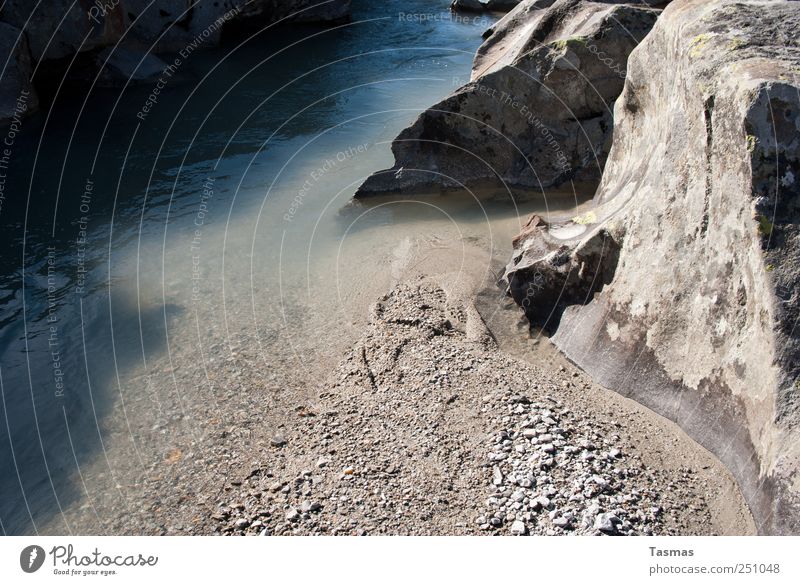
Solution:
(120, 65)
(679, 288)
(484, 5)
(537, 112)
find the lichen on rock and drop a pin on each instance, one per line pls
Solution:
(698, 320)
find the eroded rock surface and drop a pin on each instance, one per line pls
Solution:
(538, 111)
(691, 304)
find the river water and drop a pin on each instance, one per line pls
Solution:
(160, 262)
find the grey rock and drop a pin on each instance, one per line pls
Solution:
(484, 5)
(60, 28)
(607, 522)
(518, 528)
(468, 5)
(307, 506)
(537, 111)
(121, 65)
(691, 304)
(561, 522)
(204, 21)
(18, 98)
(542, 502)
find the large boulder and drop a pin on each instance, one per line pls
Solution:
(680, 287)
(178, 24)
(17, 96)
(538, 111)
(58, 29)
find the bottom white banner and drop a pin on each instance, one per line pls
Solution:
(417, 559)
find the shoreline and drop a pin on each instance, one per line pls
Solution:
(398, 438)
(404, 439)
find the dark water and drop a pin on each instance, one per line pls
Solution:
(106, 213)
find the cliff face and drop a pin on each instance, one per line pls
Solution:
(59, 29)
(537, 111)
(680, 288)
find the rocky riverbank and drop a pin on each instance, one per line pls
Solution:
(427, 427)
(537, 112)
(677, 288)
(680, 287)
(441, 417)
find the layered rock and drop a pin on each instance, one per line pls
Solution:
(537, 111)
(679, 288)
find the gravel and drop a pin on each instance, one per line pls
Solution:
(426, 428)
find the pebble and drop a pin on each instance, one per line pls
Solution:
(497, 476)
(307, 506)
(607, 522)
(547, 463)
